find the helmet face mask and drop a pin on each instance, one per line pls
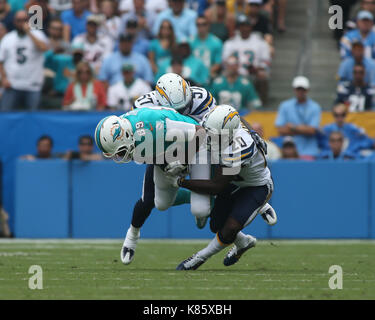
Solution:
(172, 90)
(114, 137)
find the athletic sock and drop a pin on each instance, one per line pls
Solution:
(132, 237)
(241, 240)
(213, 247)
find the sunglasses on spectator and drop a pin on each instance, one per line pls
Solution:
(85, 144)
(22, 19)
(339, 115)
(335, 140)
(83, 72)
(202, 24)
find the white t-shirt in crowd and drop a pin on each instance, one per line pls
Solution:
(60, 5)
(94, 53)
(122, 97)
(251, 51)
(150, 5)
(23, 62)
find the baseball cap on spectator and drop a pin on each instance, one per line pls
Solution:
(243, 19)
(78, 46)
(94, 18)
(357, 44)
(259, 2)
(365, 15)
(288, 141)
(127, 67)
(126, 37)
(301, 82)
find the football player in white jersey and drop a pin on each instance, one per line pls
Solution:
(242, 184)
(173, 91)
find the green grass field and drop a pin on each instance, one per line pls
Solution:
(272, 270)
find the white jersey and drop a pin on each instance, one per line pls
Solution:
(23, 62)
(122, 97)
(203, 101)
(94, 53)
(244, 152)
(251, 51)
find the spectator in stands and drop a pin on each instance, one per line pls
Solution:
(75, 19)
(345, 72)
(43, 149)
(336, 150)
(161, 47)
(260, 22)
(77, 57)
(154, 6)
(57, 59)
(253, 53)
(96, 46)
(85, 93)
(273, 151)
(21, 65)
(183, 20)
(364, 33)
(122, 95)
(141, 44)
(357, 94)
(145, 19)
(281, 10)
(222, 24)
(193, 68)
(85, 150)
(177, 66)
(110, 72)
(238, 7)
(355, 138)
(111, 26)
(58, 6)
(6, 15)
(300, 117)
(289, 149)
(207, 47)
(366, 5)
(44, 6)
(234, 89)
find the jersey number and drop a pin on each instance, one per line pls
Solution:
(21, 58)
(238, 142)
(145, 100)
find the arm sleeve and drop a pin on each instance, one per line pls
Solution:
(315, 118)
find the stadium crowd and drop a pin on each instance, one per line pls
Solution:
(104, 54)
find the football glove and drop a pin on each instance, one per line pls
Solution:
(176, 168)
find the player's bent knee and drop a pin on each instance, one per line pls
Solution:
(162, 205)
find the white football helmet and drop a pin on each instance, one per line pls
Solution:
(115, 138)
(172, 90)
(222, 119)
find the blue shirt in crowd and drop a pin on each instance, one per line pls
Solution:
(355, 36)
(77, 24)
(111, 69)
(346, 70)
(357, 139)
(307, 113)
(344, 155)
(184, 25)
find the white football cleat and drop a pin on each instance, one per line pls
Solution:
(268, 214)
(128, 247)
(192, 263)
(235, 253)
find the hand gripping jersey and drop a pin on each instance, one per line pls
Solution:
(203, 101)
(243, 152)
(151, 124)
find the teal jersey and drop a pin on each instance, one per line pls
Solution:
(208, 50)
(160, 53)
(241, 94)
(154, 121)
